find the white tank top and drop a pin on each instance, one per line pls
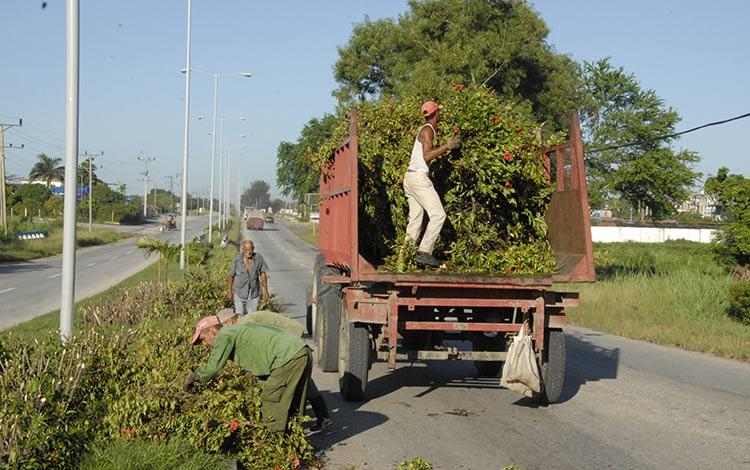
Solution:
(417, 162)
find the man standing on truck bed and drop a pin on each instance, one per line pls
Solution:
(420, 193)
(247, 279)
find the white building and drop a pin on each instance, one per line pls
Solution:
(701, 204)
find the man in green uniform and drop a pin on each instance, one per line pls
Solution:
(227, 316)
(277, 357)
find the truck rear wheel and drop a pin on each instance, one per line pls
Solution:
(480, 342)
(354, 355)
(553, 368)
(309, 312)
(326, 317)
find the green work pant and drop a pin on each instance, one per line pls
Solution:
(286, 390)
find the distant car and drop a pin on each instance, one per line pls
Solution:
(314, 216)
(269, 218)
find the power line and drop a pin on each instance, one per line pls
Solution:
(668, 136)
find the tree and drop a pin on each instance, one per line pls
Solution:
(257, 195)
(277, 205)
(31, 197)
(47, 169)
(439, 43)
(295, 174)
(648, 174)
(732, 193)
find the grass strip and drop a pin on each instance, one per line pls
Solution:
(25, 250)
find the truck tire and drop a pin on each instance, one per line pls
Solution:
(354, 356)
(309, 312)
(326, 317)
(553, 368)
(480, 342)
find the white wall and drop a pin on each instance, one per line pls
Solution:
(650, 234)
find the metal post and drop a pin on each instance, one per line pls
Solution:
(91, 192)
(71, 168)
(213, 162)
(3, 216)
(183, 201)
(226, 190)
(221, 173)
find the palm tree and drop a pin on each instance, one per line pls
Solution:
(47, 169)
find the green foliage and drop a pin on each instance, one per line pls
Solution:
(258, 195)
(47, 169)
(168, 252)
(733, 194)
(417, 463)
(120, 379)
(739, 300)
(494, 189)
(126, 454)
(295, 174)
(31, 197)
(501, 44)
(618, 111)
(651, 259)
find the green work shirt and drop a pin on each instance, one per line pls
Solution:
(256, 348)
(272, 318)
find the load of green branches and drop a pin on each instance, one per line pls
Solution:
(494, 188)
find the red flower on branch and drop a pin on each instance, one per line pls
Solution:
(509, 185)
(218, 378)
(128, 432)
(459, 86)
(295, 463)
(507, 157)
(495, 119)
(456, 130)
(234, 425)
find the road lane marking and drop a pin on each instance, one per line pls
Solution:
(128, 252)
(7, 290)
(54, 275)
(90, 264)
(114, 258)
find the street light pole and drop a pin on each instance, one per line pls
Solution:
(213, 162)
(71, 168)
(183, 201)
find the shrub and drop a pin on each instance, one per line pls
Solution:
(739, 300)
(121, 377)
(415, 464)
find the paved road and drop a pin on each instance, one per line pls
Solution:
(32, 288)
(627, 404)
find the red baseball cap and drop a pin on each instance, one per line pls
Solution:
(429, 108)
(203, 323)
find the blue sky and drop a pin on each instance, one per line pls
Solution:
(694, 54)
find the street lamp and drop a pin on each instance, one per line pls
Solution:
(227, 190)
(213, 137)
(186, 140)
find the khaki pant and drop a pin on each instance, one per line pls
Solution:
(422, 198)
(286, 389)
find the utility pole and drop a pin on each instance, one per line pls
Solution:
(145, 161)
(3, 208)
(90, 157)
(72, 71)
(171, 191)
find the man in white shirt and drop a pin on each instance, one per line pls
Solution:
(420, 193)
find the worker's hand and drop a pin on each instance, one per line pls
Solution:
(454, 142)
(190, 379)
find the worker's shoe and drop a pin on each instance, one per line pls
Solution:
(427, 259)
(320, 409)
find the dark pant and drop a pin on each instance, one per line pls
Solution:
(286, 390)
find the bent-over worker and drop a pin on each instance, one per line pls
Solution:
(281, 360)
(317, 402)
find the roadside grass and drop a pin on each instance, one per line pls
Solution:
(306, 232)
(40, 326)
(673, 293)
(25, 250)
(120, 454)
